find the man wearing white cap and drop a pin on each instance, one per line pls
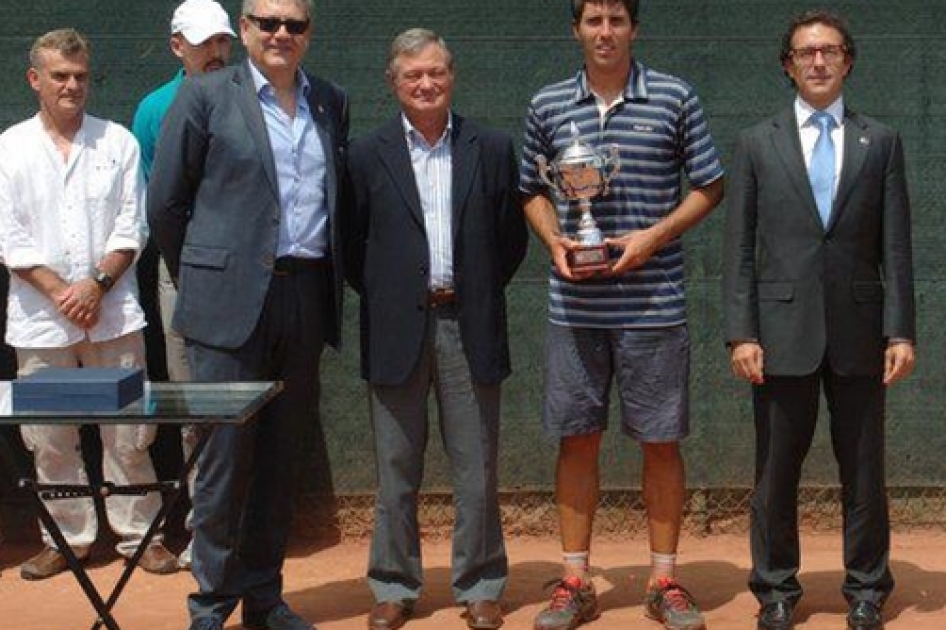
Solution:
(201, 38)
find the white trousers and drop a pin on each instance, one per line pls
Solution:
(178, 369)
(57, 452)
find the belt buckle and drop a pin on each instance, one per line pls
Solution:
(441, 297)
(282, 266)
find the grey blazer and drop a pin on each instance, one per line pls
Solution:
(213, 202)
(805, 291)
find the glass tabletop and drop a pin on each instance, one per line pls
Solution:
(168, 403)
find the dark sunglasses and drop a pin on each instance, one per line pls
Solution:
(272, 24)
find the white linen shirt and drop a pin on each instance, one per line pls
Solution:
(67, 215)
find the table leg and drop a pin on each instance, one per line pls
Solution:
(173, 490)
(105, 616)
(15, 461)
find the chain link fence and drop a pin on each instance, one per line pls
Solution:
(620, 513)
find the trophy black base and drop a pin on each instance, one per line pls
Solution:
(589, 259)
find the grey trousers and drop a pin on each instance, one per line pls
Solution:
(468, 414)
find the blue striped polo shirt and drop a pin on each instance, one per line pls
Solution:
(662, 134)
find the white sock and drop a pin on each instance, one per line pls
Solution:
(663, 565)
(576, 563)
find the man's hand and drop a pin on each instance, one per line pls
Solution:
(899, 361)
(637, 247)
(747, 361)
(559, 249)
(80, 302)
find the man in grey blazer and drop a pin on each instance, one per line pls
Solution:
(433, 233)
(242, 203)
(818, 294)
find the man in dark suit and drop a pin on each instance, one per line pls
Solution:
(818, 291)
(242, 203)
(433, 233)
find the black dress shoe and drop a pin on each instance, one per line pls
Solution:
(864, 615)
(776, 616)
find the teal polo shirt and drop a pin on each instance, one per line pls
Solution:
(146, 124)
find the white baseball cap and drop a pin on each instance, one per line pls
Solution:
(199, 20)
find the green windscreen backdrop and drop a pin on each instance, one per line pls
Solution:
(505, 51)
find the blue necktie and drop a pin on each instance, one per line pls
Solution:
(822, 167)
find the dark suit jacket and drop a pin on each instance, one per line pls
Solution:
(213, 201)
(805, 292)
(388, 261)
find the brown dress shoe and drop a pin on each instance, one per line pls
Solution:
(389, 615)
(45, 564)
(157, 559)
(484, 614)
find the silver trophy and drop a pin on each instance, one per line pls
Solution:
(581, 173)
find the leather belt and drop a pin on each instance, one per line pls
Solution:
(289, 265)
(441, 297)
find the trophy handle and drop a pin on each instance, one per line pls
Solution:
(543, 165)
(612, 164)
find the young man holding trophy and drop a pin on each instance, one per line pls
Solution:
(604, 157)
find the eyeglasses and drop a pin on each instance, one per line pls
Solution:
(273, 24)
(832, 54)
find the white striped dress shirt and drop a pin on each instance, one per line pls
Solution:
(433, 168)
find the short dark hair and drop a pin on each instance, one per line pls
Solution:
(578, 7)
(817, 16)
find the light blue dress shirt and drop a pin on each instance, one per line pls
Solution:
(300, 169)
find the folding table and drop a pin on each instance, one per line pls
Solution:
(201, 404)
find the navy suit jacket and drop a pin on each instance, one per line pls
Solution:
(388, 260)
(213, 202)
(807, 292)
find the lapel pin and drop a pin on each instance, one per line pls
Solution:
(865, 141)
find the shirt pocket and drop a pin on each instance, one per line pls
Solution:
(104, 181)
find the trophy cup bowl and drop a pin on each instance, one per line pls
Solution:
(579, 173)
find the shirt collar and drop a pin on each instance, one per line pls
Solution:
(261, 83)
(803, 111)
(635, 90)
(413, 136)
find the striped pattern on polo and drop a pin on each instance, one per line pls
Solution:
(662, 134)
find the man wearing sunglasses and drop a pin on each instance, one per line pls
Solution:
(201, 38)
(242, 203)
(818, 288)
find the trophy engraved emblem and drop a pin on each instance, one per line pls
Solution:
(580, 173)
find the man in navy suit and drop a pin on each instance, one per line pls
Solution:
(242, 203)
(433, 234)
(818, 294)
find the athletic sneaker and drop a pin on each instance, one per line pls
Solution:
(673, 606)
(573, 603)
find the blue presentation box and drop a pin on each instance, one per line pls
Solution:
(78, 389)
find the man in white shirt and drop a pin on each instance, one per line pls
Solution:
(71, 224)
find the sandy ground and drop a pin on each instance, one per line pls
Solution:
(327, 586)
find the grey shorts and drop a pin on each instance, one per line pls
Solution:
(651, 368)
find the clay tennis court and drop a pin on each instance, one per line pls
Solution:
(326, 586)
